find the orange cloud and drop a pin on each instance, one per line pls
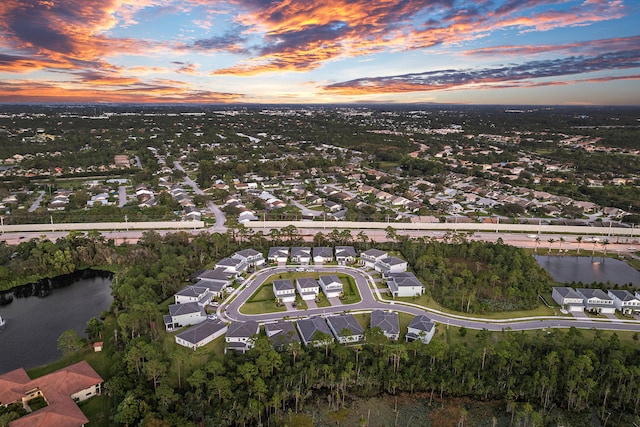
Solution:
(65, 34)
(20, 91)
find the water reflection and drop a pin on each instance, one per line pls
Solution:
(567, 269)
(33, 325)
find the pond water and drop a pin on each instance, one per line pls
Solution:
(33, 324)
(567, 269)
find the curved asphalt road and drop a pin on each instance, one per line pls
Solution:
(230, 308)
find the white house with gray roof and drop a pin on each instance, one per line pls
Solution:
(190, 313)
(193, 293)
(331, 286)
(239, 335)
(345, 328)
(388, 322)
(308, 287)
(390, 265)
(625, 301)
(345, 254)
(201, 334)
(301, 255)
(567, 298)
(421, 328)
(232, 265)
(595, 300)
(322, 254)
(284, 290)
(310, 329)
(279, 254)
(370, 257)
(251, 257)
(404, 284)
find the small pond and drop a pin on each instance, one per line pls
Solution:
(567, 269)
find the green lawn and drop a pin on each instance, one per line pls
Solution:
(259, 307)
(542, 310)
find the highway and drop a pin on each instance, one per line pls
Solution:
(372, 299)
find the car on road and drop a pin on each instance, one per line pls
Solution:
(632, 249)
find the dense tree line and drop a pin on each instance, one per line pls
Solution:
(476, 277)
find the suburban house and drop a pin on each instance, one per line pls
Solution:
(312, 328)
(279, 254)
(215, 288)
(421, 328)
(201, 334)
(370, 257)
(595, 300)
(331, 286)
(308, 287)
(301, 255)
(232, 265)
(625, 301)
(284, 290)
(281, 333)
(194, 293)
(190, 313)
(404, 284)
(345, 254)
(220, 275)
(388, 322)
(191, 213)
(390, 265)
(322, 254)
(61, 390)
(345, 328)
(251, 257)
(567, 298)
(240, 335)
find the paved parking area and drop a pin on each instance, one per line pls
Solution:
(311, 304)
(579, 314)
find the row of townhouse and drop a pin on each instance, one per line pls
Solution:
(314, 331)
(308, 288)
(319, 255)
(596, 300)
(190, 302)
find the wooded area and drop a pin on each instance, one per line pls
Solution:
(541, 377)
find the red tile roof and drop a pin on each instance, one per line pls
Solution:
(57, 389)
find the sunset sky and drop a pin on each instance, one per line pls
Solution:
(320, 51)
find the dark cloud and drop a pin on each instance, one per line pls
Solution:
(231, 41)
(451, 78)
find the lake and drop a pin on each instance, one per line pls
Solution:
(567, 269)
(33, 324)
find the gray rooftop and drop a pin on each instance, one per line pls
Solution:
(197, 333)
(386, 320)
(283, 285)
(186, 308)
(282, 333)
(422, 323)
(376, 253)
(345, 324)
(308, 327)
(243, 329)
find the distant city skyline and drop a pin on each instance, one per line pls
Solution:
(515, 52)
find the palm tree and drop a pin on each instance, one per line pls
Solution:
(579, 240)
(551, 240)
(562, 240)
(535, 250)
(604, 244)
